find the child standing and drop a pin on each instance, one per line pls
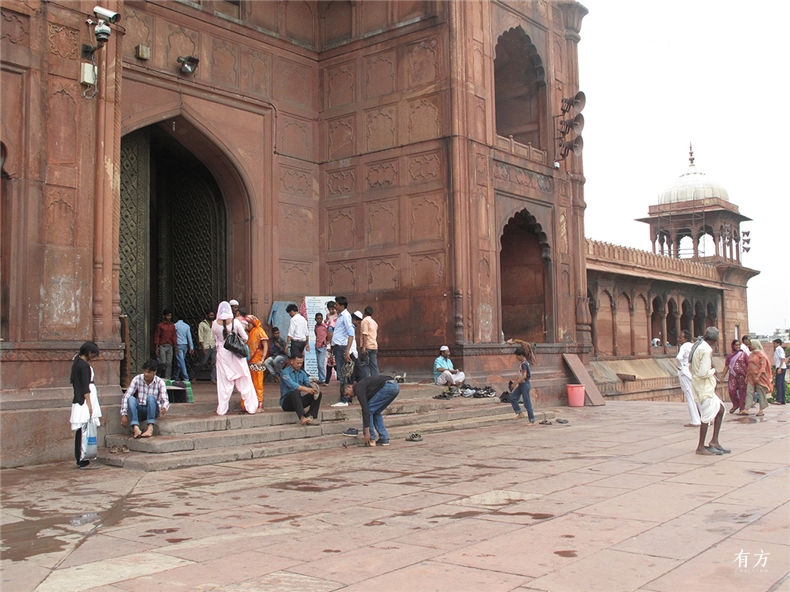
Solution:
(524, 355)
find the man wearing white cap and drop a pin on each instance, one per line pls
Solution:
(443, 371)
(234, 306)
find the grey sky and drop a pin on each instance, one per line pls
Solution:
(661, 74)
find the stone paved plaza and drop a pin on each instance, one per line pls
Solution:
(614, 500)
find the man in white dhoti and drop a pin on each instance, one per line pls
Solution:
(703, 384)
(684, 376)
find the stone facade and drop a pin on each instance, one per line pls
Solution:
(400, 153)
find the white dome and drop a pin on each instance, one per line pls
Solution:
(691, 185)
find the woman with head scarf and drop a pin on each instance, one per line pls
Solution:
(258, 342)
(735, 374)
(758, 376)
(232, 370)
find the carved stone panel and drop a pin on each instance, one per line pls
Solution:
(62, 136)
(426, 217)
(293, 83)
(256, 75)
(62, 294)
(381, 223)
(180, 42)
(139, 26)
(341, 229)
(423, 62)
(340, 85)
(427, 269)
(381, 175)
(341, 134)
(380, 74)
(343, 277)
(383, 273)
(15, 28)
(59, 223)
(381, 126)
(296, 137)
(295, 181)
(425, 168)
(63, 41)
(225, 63)
(340, 182)
(425, 118)
(296, 277)
(296, 224)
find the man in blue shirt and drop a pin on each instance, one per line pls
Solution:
(342, 344)
(443, 371)
(296, 394)
(183, 344)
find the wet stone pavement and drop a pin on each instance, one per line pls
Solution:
(614, 500)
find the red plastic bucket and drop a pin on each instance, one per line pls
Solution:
(575, 395)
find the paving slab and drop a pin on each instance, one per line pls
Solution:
(615, 500)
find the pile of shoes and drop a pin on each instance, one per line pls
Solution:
(448, 393)
(400, 378)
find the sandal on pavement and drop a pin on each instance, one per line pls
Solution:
(124, 449)
(114, 450)
(414, 437)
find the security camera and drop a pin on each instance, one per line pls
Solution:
(106, 14)
(102, 32)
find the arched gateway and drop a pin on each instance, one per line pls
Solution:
(172, 240)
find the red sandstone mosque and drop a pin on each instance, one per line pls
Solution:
(423, 157)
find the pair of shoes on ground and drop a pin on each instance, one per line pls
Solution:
(339, 404)
(383, 442)
(351, 432)
(114, 450)
(85, 465)
(717, 450)
(414, 437)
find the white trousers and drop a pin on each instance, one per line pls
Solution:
(244, 386)
(447, 378)
(685, 386)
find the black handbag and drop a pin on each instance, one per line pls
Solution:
(235, 345)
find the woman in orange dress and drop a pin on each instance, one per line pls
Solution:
(258, 342)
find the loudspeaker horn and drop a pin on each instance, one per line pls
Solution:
(576, 102)
(575, 125)
(575, 146)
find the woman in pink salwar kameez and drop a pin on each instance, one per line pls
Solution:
(232, 370)
(735, 366)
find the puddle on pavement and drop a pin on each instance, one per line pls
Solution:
(24, 539)
(304, 486)
(535, 515)
(568, 536)
(565, 553)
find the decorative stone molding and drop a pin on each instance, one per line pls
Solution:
(63, 41)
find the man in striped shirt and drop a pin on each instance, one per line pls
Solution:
(145, 399)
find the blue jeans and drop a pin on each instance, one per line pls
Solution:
(378, 403)
(339, 351)
(779, 383)
(522, 390)
(148, 413)
(320, 360)
(373, 362)
(181, 367)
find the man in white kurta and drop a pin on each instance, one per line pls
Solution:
(684, 376)
(703, 384)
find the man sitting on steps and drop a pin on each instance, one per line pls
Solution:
(145, 399)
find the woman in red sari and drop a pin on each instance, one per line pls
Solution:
(735, 366)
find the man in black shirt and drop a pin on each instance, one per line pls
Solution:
(375, 393)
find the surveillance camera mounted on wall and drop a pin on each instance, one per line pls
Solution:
(106, 14)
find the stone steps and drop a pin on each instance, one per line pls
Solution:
(185, 438)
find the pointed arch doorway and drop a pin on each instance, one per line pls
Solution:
(525, 280)
(172, 236)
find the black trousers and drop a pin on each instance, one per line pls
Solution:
(296, 401)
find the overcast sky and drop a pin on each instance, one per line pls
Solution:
(661, 74)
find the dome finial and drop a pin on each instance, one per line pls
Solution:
(691, 155)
